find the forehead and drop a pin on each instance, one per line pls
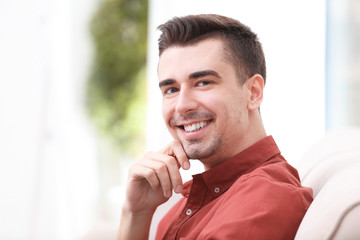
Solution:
(206, 54)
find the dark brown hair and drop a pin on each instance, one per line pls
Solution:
(242, 47)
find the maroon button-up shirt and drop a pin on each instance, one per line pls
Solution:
(253, 195)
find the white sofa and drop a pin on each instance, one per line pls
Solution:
(332, 169)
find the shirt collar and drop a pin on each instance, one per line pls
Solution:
(221, 177)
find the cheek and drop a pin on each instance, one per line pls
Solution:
(165, 115)
(232, 110)
(166, 112)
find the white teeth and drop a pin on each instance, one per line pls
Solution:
(195, 126)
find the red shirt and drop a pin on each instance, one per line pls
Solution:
(253, 195)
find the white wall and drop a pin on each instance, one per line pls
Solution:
(343, 59)
(47, 165)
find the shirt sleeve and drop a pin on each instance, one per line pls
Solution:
(260, 209)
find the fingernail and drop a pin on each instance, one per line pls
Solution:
(168, 194)
(178, 189)
(186, 165)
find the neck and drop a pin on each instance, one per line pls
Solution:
(254, 133)
(256, 130)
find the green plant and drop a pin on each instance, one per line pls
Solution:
(116, 93)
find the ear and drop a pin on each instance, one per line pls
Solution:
(255, 86)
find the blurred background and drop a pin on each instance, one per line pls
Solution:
(79, 98)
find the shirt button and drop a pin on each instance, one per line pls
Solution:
(217, 190)
(188, 212)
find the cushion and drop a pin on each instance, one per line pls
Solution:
(332, 169)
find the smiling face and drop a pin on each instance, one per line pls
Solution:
(204, 105)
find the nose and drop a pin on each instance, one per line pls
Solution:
(186, 101)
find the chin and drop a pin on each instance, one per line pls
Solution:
(199, 152)
(198, 149)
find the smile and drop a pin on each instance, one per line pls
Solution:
(195, 126)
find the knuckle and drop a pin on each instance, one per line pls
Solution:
(150, 175)
(148, 155)
(132, 169)
(161, 168)
(169, 160)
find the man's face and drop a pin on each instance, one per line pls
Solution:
(204, 105)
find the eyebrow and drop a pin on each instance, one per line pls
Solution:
(203, 74)
(191, 76)
(166, 82)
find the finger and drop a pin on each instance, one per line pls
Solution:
(180, 155)
(174, 173)
(172, 168)
(160, 168)
(139, 172)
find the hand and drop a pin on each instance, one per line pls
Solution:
(150, 183)
(152, 180)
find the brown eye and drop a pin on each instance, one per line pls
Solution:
(170, 90)
(203, 83)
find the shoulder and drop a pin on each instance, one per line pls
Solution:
(274, 183)
(264, 204)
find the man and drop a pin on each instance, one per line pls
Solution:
(212, 74)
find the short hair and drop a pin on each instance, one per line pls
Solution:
(242, 47)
